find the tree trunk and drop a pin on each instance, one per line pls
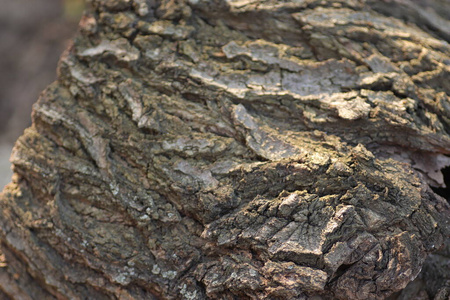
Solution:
(237, 149)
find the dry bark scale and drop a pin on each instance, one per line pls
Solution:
(237, 149)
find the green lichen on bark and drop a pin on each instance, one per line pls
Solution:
(234, 150)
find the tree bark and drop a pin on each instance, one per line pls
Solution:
(226, 149)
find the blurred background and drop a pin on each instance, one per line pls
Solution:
(33, 34)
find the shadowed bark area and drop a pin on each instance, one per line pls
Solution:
(195, 149)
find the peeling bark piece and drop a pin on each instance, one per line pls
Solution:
(167, 29)
(120, 48)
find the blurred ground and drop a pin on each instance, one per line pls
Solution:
(33, 35)
(5, 166)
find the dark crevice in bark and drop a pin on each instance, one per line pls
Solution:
(444, 191)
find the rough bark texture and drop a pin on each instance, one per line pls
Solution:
(237, 150)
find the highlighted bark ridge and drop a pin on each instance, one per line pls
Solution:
(234, 150)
